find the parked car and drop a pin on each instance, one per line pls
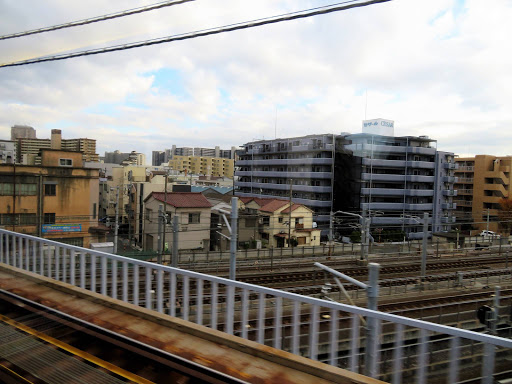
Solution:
(490, 234)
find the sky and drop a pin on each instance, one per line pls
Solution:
(440, 68)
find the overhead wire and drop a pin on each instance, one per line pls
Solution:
(96, 19)
(204, 32)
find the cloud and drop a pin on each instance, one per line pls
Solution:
(434, 67)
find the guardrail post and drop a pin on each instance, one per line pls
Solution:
(372, 336)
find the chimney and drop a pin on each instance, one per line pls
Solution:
(56, 139)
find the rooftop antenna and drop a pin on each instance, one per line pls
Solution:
(366, 104)
(275, 125)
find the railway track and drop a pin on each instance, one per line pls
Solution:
(283, 279)
(64, 349)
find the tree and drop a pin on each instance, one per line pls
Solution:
(505, 215)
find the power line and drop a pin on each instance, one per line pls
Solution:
(205, 32)
(96, 19)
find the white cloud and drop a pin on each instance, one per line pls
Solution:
(432, 67)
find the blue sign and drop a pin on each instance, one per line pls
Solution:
(61, 228)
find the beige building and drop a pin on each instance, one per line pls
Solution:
(57, 200)
(273, 218)
(482, 182)
(213, 166)
(28, 149)
(194, 215)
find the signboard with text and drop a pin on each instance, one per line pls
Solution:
(379, 127)
(61, 228)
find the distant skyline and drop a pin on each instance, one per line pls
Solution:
(439, 68)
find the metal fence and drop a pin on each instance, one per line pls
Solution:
(398, 350)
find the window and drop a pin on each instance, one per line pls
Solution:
(66, 162)
(194, 218)
(280, 219)
(49, 218)
(27, 219)
(148, 214)
(265, 220)
(50, 189)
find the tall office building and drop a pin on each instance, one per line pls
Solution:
(394, 180)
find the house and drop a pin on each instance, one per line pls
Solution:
(194, 216)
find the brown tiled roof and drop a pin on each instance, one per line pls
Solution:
(294, 207)
(273, 205)
(183, 199)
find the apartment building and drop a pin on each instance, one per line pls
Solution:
(28, 149)
(197, 165)
(163, 157)
(22, 131)
(372, 173)
(307, 167)
(483, 181)
(57, 200)
(401, 179)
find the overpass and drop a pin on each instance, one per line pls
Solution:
(247, 332)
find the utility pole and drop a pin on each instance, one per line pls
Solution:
(234, 238)
(290, 216)
(487, 219)
(116, 229)
(330, 232)
(165, 212)
(160, 222)
(175, 228)
(424, 250)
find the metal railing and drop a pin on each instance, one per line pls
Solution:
(403, 350)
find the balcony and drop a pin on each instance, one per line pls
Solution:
(465, 192)
(451, 166)
(448, 220)
(498, 176)
(285, 187)
(397, 178)
(396, 192)
(285, 162)
(498, 188)
(492, 199)
(398, 163)
(450, 179)
(450, 192)
(287, 148)
(464, 203)
(286, 175)
(465, 180)
(449, 206)
(396, 206)
(465, 168)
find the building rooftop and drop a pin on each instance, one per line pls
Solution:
(182, 199)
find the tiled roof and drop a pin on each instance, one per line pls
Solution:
(294, 207)
(273, 205)
(183, 199)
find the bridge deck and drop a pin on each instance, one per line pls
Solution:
(243, 359)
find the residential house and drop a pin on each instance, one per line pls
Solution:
(194, 216)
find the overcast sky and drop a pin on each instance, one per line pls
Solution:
(440, 68)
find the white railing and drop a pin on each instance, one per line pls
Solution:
(401, 350)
